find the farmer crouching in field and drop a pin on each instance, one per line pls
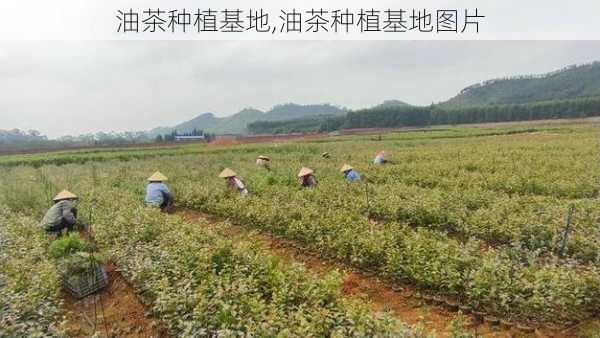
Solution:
(307, 179)
(380, 158)
(62, 215)
(157, 193)
(233, 182)
(350, 174)
(263, 161)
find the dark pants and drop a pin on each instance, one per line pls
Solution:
(57, 229)
(167, 203)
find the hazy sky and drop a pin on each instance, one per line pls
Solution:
(75, 87)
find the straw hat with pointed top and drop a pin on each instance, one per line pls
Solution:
(305, 171)
(157, 177)
(227, 173)
(345, 168)
(263, 157)
(64, 195)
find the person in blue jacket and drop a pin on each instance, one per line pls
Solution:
(350, 174)
(157, 193)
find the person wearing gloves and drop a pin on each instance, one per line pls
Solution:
(157, 192)
(62, 215)
(307, 179)
(233, 182)
(350, 174)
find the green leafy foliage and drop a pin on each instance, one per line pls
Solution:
(29, 303)
(68, 245)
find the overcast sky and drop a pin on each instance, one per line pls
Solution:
(75, 87)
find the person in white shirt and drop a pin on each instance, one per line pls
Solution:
(263, 161)
(380, 158)
(233, 182)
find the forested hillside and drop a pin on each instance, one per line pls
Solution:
(567, 83)
(571, 92)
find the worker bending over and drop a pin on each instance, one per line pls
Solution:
(157, 192)
(350, 174)
(307, 179)
(380, 158)
(263, 161)
(233, 182)
(62, 215)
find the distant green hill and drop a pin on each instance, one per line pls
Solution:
(236, 124)
(220, 125)
(393, 103)
(567, 83)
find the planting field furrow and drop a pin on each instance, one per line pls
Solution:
(506, 225)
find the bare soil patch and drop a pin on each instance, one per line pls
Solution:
(115, 311)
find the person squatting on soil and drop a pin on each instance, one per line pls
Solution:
(157, 193)
(350, 174)
(263, 161)
(62, 215)
(233, 182)
(307, 179)
(380, 158)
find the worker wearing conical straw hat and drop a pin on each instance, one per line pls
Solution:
(263, 161)
(62, 215)
(380, 158)
(350, 174)
(233, 182)
(307, 179)
(158, 194)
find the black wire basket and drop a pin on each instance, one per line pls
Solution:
(86, 283)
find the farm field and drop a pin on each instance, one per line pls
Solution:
(503, 222)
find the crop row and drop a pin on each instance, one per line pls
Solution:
(202, 285)
(506, 281)
(29, 302)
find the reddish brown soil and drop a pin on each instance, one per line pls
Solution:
(232, 140)
(382, 295)
(116, 310)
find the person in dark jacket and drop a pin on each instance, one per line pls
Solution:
(307, 179)
(62, 215)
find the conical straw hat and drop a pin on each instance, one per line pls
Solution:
(227, 173)
(305, 171)
(64, 195)
(345, 168)
(263, 157)
(157, 177)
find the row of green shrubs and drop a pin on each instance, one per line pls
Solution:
(202, 285)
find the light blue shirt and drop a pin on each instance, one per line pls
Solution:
(352, 176)
(155, 192)
(379, 159)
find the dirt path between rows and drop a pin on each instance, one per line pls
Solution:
(115, 311)
(382, 296)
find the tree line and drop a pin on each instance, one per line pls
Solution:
(414, 116)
